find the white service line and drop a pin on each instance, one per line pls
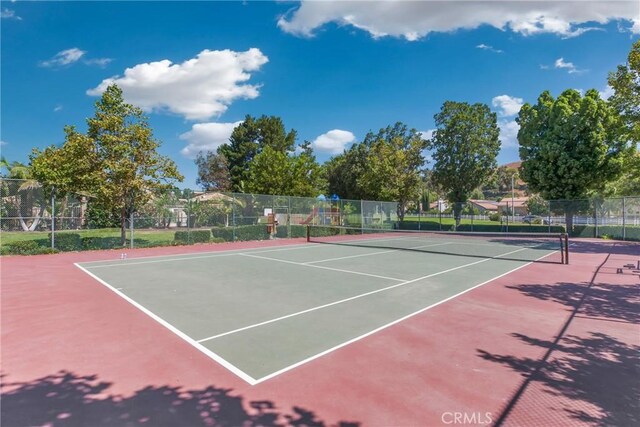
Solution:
(187, 257)
(321, 266)
(374, 253)
(407, 282)
(237, 371)
(358, 338)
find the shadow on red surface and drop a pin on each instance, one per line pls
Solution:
(66, 399)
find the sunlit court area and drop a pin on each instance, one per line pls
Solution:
(320, 214)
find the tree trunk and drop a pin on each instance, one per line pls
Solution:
(568, 215)
(457, 210)
(123, 226)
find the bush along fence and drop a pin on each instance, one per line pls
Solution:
(33, 222)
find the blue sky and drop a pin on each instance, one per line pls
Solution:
(331, 70)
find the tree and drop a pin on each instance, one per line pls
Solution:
(248, 139)
(116, 162)
(213, 171)
(394, 165)
(625, 82)
(261, 159)
(465, 146)
(625, 100)
(342, 173)
(569, 146)
(307, 179)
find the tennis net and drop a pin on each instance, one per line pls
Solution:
(530, 247)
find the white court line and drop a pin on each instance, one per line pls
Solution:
(321, 266)
(246, 377)
(406, 282)
(374, 253)
(358, 338)
(187, 257)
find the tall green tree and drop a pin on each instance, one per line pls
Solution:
(116, 161)
(248, 139)
(213, 171)
(394, 165)
(342, 173)
(570, 146)
(625, 100)
(625, 82)
(464, 149)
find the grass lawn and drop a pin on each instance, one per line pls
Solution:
(150, 236)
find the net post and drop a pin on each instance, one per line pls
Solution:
(308, 233)
(565, 238)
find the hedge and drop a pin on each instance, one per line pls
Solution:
(296, 231)
(26, 247)
(194, 236)
(487, 228)
(256, 232)
(67, 242)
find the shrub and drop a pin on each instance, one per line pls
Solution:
(68, 241)
(242, 233)
(92, 243)
(26, 247)
(193, 236)
(296, 231)
(494, 216)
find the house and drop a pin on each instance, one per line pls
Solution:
(517, 204)
(484, 206)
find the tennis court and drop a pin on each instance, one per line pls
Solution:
(262, 312)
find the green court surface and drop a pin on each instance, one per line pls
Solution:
(261, 312)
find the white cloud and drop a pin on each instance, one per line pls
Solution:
(3, 143)
(427, 134)
(507, 105)
(65, 57)
(9, 14)
(206, 137)
(334, 141)
(560, 63)
(606, 93)
(100, 62)
(508, 133)
(489, 48)
(57, 108)
(199, 88)
(413, 20)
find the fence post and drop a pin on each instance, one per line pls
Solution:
(131, 228)
(595, 217)
(624, 217)
(53, 218)
(233, 219)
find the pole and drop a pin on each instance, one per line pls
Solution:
(53, 218)
(624, 222)
(131, 229)
(513, 210)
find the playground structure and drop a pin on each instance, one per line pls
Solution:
(324, 216)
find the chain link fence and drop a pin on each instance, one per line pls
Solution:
(34, 222)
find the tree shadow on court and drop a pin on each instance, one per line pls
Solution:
(66, 399)
(598, 372)
(612, 302)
